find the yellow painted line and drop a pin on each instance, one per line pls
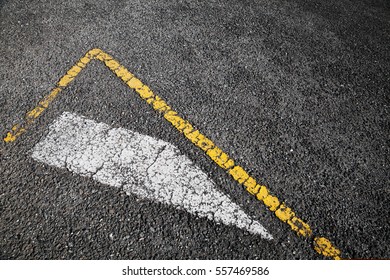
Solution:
(285, 214)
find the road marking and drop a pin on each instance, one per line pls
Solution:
(283, 212)
(139, 164)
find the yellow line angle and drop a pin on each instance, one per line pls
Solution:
(285, 214)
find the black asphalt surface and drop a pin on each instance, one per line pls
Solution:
(297, 92)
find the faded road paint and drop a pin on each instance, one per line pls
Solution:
(139, 164)
(283, 212)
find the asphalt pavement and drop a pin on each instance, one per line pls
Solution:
(297, 92)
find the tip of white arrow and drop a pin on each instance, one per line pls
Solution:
(257, 228)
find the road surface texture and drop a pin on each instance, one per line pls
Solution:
(296, 92)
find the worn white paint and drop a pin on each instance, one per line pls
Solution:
(142, 165)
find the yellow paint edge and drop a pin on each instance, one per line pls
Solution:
(32, 115)
(285, 214)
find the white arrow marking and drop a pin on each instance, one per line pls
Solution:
(141, 165)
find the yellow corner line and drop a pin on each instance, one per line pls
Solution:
(321, 245)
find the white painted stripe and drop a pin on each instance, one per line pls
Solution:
(141, 165)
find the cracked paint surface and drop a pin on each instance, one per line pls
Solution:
(142, 165)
